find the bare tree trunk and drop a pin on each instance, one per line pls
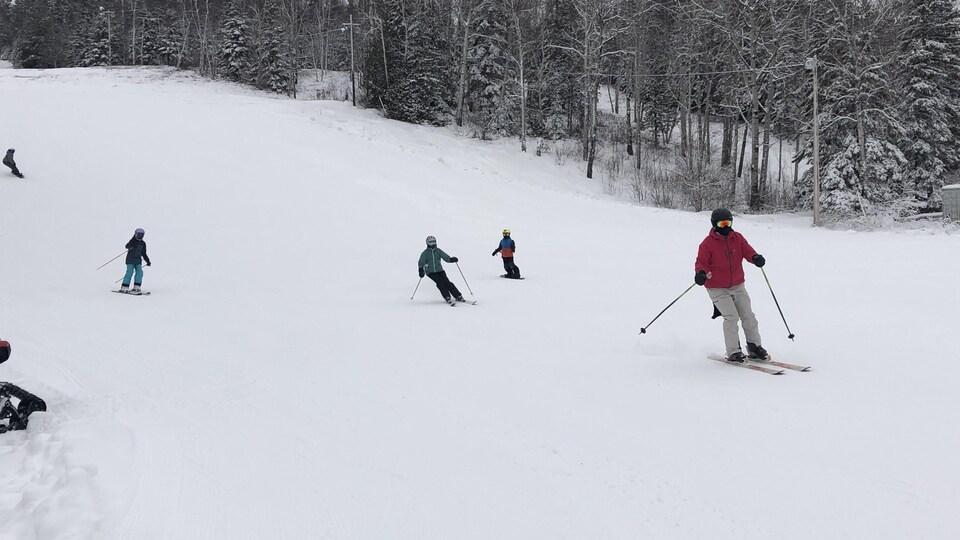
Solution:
(133, 36)
(588, 105)
(733, 158)
(780, 162)
(743, 152)
(754, 199)
(862, 141)
(727, 141)
(684, 144)
(521, 53)
(765, 163)
(700, 135)
(383, 49)
(465, 16)
(638, 115)
(592, 154)
(796, 162)
(706, 123)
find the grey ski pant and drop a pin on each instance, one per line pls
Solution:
(734, 305)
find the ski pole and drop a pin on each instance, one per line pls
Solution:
(111, 260)
(777, 303)
(417, 287)
(644, 329)
(464, 279)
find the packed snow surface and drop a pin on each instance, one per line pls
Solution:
(280, 382)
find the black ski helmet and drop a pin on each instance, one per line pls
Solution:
(720, 214)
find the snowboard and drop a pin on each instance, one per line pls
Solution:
(141, 293)
(504, 276)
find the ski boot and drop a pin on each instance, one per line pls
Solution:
(737, 358)
(450, 300)
(461, 299)
(757, 352)
(124, 288)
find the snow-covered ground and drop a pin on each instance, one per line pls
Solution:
(280, 382)
(321, 84)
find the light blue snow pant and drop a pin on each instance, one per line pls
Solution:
(137, 279)
(734, 305)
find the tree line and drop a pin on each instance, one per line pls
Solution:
(689, 83)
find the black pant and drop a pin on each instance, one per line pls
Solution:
(13, 167)
(447, 288)
(513, 271)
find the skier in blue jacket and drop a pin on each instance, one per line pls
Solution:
(430, 265)
(136, 250)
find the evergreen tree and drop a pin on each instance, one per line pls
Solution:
(272, 71)
(99, 49)
(930, 64)
(488, 59)
(658, 90)
(416, 84)
(861, 164)
(234, 53)
(560, 94)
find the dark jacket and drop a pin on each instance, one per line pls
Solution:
(430, 260)
(136, 249)
(8, 159)
(723, 256)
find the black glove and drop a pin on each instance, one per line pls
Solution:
(494, 254)
(421, 271)
(759, 260)
(700, 278)
(454, 259)
(148, 263)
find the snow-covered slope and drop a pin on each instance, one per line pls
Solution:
(280, 383)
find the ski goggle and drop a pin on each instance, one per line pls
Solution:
(725, 223)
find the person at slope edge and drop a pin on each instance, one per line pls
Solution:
(719, 268)
(506, 249)
(136, 250)
(430, 265)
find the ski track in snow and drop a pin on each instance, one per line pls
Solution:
(280, 383)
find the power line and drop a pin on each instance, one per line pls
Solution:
(696, 73)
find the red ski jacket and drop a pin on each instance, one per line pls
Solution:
(723, 256)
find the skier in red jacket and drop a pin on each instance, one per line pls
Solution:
(719, 268)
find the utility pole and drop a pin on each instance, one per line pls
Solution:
(353, 81)
(811, 64)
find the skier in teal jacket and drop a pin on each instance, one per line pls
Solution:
(431, 265)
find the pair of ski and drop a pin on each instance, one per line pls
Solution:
(761, 365)
(455, 302)
(131, 293)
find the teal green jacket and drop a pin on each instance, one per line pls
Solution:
(430, 260)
